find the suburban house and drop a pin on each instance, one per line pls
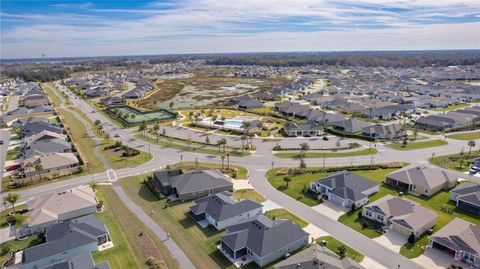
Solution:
(246, 102)
(50, 209)
(113, 100)
(191, 185)
(42, 147)
(467, 197)
(31, 128)
(291, 109)
(349, 125)
(456, 118)
(69, 244)
(401, 215)
(220, 210)
(380, 131)
(310, 128)
(317, 257)
(51, 162)
(460, 239)
(345, 188)
(262, 240)
(45, 135)
(421, 180)
(35, 100)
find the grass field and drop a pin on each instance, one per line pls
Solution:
(13, 154)
(199, 244)
(297, 155)
(466, 136)
(117, 161)
(227, 113)
(333, 244)
(281, 213)
(454, 161)
(131, 249)
(4, 213)
(418, 145)
(451, 107)
(248, 194)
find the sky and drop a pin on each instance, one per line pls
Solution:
(104, 28)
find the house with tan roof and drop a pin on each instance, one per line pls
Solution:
(422, 180)
(45, 135)
(50, 209)
(51, 162)
(401, 215)
(460, 239)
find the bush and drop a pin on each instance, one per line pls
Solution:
(153, 263)
(6, 249)
(277, 148)
(411, 239)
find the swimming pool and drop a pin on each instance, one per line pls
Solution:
(233, 123)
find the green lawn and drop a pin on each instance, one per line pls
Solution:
(17, 245)
(418, 145)
(454, 161)
(49, 89)
(297, 155)
(465, 136)
(13, 154)
(451, 107)
(131, 249)
(333, 244)
(197, 243)
(281, 213)
(299, 185)
(117, 161)
(4, 213)
(248, 194)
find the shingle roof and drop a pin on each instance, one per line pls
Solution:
(423, 176)
(263, 235)
(347, 185)
(198, 181)
(460, 235)
(221, 206)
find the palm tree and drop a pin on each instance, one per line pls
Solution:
(191, 116)
(287, 179)
(39, 169)
(12, 198)
(223, 160)
(29, 167)
(228, 161)
(20, 220)
(243, 138)
(304, 147)
(471, 144)
(93, 185)
(246, 126)
(156, 127)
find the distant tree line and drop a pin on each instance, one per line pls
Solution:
(365, 59)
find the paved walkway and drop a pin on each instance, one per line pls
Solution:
(176, 252)
(7, 234)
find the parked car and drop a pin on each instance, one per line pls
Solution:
(474, 170)
(325, 138)
(1, 142)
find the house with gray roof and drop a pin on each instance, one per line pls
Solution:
(345, 189)
(317, 257)
(310, 128)
(349, 125)
(460, 240)
(45, 146)
(381, 131)
(401, 215)
(421, 180)
(262, 240)
(191, 185)
(65, 241)
(220, 210)
(467, 197)
(35, 127)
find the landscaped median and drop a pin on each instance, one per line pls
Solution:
(297, 185)
(418, 145)
(325, 154)
(465, 136)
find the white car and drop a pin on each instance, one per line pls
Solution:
(474, 170)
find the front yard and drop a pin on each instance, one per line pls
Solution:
(284, 214)
(465, 136)
(248, 194)
(458, 162)
(418, 145)
(334, 245)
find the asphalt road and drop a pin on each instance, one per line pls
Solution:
(5, 137)
(257, 164)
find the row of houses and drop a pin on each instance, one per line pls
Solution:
(32, 100)
(451, 119)
(70, 230)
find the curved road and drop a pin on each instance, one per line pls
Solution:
(257, 164)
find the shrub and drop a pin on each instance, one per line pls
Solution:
(411, 239)
(153, 263)
(277, 148)
(6, 249)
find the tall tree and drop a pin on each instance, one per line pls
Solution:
(12, 198)
(20, 220)
(471, 144)
(39, 169)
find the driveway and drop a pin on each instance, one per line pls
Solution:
(330, 210)
(392, 240)
(434, 258)
(7, 234)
